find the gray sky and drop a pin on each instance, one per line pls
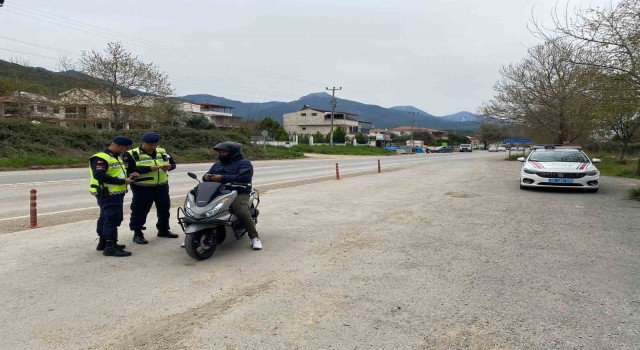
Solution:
(441, 56)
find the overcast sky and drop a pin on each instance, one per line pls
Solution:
(442, 56)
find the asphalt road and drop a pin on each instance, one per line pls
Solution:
(441, 255)
(63, 191)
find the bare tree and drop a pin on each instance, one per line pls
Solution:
(545, 91)
(126, 82)
(617, 109)
(610, 37)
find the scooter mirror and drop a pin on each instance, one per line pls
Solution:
(193, 176)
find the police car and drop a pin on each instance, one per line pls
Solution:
(559, 166)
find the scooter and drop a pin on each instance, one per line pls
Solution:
(206, 216)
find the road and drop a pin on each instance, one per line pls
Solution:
(62, 191)
(440, 255)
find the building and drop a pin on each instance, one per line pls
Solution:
(91, 109)
(221, 116)
(309, 121)
(379, 137)
(407, 130)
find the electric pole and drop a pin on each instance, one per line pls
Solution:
(333, 108)
(413, 121)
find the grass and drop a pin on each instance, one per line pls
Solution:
(635, 194)
(609, 166)
(342, 150)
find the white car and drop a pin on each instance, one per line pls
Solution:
(502, 149)
(559, 166)
(493, 149)
(466, 147)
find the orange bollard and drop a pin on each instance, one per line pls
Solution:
(337, 172)
(33, 212)
(379, 169)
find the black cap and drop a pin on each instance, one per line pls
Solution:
(122, 141)
(151, 137)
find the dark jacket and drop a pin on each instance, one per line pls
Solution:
(229, 171)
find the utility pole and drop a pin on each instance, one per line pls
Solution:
(413, 121)
(333, 108)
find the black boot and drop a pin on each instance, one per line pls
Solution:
(102, 243)
(167, 234)
(138, 237)
(111, 250)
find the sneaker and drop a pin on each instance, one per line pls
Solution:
(182, 244)
(256, 244)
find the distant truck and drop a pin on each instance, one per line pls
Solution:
(466, 147)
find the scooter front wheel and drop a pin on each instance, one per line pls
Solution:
(201, 245)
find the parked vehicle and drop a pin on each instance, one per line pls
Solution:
(502, 149)
(466, 147)
(206, 216)
(493, 148)
(442, 149)
(559, 166)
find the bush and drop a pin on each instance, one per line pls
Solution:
(635, 194)
(23, 144)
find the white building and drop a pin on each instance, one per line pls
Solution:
(309, 121)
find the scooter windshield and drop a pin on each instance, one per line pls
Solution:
(205, 193)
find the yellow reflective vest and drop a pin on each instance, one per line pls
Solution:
(115, 169)
(158, 177)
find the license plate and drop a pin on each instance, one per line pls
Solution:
(561, 181)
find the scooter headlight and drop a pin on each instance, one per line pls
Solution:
(217, 208)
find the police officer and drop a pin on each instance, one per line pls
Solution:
(109, 184)
(153, 164)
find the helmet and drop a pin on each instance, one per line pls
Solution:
(231, 147)
(228, 146)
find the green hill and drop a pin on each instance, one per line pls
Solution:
(14, 77)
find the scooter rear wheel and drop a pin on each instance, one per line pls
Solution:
(201, 245)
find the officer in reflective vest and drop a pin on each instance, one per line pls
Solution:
(153, 164)
(109, 184)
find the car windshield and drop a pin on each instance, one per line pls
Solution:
(558, 156)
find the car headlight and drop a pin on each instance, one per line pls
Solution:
(591, 173)
(529, 171)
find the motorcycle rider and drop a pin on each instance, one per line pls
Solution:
(227, 169)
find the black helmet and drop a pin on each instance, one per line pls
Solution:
(228, 146)
(231, 147)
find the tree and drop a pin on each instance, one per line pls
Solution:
(424, 136)
(318, 138)
(361, 139)
(198, 122)
(125, 81)
(617, 109)
(276, 131)
(491, 133)
(609, 37)
(339, 135)
(456, 139)
(545, 91)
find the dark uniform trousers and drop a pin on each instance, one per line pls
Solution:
(110, 216)
(143, 198)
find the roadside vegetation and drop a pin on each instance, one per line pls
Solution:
(635, 194)
(343, 150)
(573, 88)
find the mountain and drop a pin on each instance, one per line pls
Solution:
(463, 116)
(380, 117)
(409, 109)
(41, 80)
